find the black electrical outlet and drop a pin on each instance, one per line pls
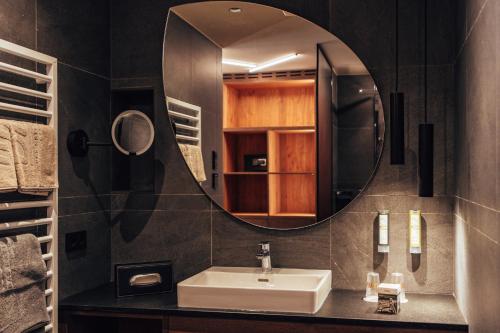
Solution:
(76, 241)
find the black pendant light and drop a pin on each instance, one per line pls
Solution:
(425, 136)
(397, 120)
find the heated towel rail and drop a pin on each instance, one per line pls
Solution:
(187, 121)
(45, 111)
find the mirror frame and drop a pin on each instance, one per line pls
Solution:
(239, 219)
(128, 113)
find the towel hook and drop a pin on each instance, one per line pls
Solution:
(78, 143)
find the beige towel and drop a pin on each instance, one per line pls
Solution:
(194, 159)
(22, 285)
(8, 179)
(34, 157)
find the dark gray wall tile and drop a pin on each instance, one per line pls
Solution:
(481, 108)
(18, 22)
(84, 204)
(460, 25)
(354, 252)
(143, 23)
(355, 154)
(76, 32)
(485, 220)
(18, 26)
(147, 201)
(391, 179)
(477, 217)
(137, 37)
(193, 74)
(497, 52)
(472, 10)
(476, 275)
(373, 40)
(80, 271)
(462, 172)
(180, 236)
(236, 244)
(367, 203)
(83, 104)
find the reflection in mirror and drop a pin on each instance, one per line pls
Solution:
(132, 132)
(281, 117)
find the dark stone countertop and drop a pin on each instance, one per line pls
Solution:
(341, 307)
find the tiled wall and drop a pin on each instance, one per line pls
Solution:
(477, 200)
(177, 222)
(344, 243)
(201, 85)
(65, 29)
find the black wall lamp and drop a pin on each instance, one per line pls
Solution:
(397, 112)
(425, 136)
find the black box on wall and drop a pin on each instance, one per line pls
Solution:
(144, 278)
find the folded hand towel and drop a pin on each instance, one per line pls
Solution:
(194, 159)
(22, 285)
(8, 179)
(34, 157)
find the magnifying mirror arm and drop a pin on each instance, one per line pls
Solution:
(78, 143)
(96, 144)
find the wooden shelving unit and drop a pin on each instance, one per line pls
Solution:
(275, 119)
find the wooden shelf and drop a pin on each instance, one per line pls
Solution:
(249, 214)
(298, 129)
(311, 173)
(291, 194)
(245, 173)
(237, 145)
(264, 106)
(246, 193)
(263, 173)
(278, 121)
(292, 152)
(292, 214)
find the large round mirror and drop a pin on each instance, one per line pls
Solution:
(279, 121)
(132, 132)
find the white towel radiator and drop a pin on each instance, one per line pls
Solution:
(187, 121)
(49, 116)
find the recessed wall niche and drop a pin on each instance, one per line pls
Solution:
(131, 172)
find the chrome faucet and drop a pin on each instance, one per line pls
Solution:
(264, 255)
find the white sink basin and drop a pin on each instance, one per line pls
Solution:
(242, 288)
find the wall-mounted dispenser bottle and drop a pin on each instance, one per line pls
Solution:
(383, 231)
(415, 232)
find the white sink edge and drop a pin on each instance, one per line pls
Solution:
(187, 282)
(213, 296)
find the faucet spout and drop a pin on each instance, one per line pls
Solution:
(264, 255)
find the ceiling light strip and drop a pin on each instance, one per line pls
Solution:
(238, 63)
(274, 62)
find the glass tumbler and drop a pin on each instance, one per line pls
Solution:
(398, 278)
(372, 282)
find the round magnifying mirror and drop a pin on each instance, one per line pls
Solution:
(132, 132)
